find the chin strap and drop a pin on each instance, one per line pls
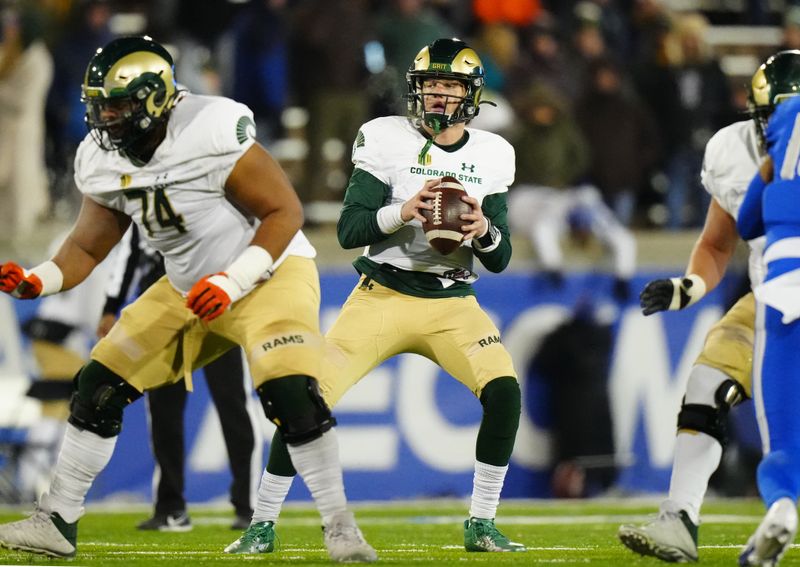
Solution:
(424, 151)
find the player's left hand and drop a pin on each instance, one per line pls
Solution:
(477, 223)
(212, 295)
(17, 282)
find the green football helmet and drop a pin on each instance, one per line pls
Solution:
(445, 59)
(777, 79)
(129, 88)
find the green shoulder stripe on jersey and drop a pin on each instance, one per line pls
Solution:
(418, 284)
(245, 129)
(361, 141)
(358, 222)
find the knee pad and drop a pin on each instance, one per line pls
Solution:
(502, 405)
(98, 398)
(295, 406)
(502, 395)
(711, 420)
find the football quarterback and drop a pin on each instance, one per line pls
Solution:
(188, 171)
(412, 298)
(720, 377)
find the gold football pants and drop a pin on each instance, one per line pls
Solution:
(377, 323)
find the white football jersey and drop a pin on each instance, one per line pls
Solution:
(731, 160)
(178, 198)
(389, 148)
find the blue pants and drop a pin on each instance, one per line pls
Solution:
(776, 391)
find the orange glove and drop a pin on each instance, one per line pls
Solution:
(212, 295)
(14, 281)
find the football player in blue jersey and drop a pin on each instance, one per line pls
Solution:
(771, 208)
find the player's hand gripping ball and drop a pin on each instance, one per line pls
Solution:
(443, 222)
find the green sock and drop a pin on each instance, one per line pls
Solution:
(280, 463)
(501, 400)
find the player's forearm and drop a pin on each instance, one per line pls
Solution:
(358, 223)
(358, 226)
(496, 259)
(709, 263)
(75, 263)
(277, 230)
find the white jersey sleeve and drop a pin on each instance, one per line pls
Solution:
(368, 150)
(731, 159)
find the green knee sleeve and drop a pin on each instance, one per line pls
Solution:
(280, 463)
(502, 403)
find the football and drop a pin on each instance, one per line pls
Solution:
(443, 226)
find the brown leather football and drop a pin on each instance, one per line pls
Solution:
(443, 226)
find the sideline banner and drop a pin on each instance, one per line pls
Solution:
(408, 430)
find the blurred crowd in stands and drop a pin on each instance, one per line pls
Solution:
(619, 95)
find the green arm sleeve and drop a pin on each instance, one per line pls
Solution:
(358, 223)
(495, 208)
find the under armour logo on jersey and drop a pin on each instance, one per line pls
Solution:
(125, 181)
(245, 129)
(468, 167)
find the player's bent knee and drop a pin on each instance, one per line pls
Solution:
(295, 406)
(98, 400)
(711, 420)
(502, 395)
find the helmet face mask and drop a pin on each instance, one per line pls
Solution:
(129, 89)
(444, 61)
(777, 79)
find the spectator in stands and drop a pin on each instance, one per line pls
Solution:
(548, 202)
(791, 29)
(328, 39)
(26, 71)
(401, 28)
(87, 27)
(261, 64)
(706, 97)
(606, 112)
(545, 60)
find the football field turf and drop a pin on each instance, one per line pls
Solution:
(419, 533)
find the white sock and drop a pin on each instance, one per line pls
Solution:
(318, 464)
(83, 455)
(271, 493)
(486, 486)
(697, 456)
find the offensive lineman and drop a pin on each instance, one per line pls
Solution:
(219, 209)
(721, 376)
(410, 298)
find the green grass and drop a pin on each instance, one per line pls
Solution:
(420, 534)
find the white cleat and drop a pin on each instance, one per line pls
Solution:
(43, 533)
(345, 542)
(773, 536)
(671, 537)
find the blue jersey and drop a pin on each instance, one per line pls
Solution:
(774, 209)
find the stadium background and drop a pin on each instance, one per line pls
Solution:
(408, 430)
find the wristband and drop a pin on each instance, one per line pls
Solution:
(489, 240)
(685, 295)
(50, 275)
(249, 267)
(389, 219)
